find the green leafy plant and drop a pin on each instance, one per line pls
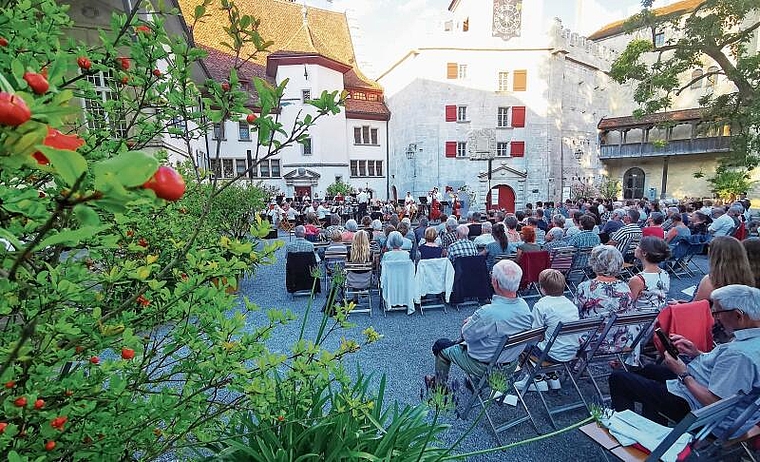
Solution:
(339, 187)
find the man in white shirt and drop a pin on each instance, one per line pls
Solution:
(724, 223)
(322, 211)
(363, 200)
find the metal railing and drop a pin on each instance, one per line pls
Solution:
(672, 148)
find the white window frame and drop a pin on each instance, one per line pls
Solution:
(308, 150)
(218, 134)
(461, 149)
(502, 81)
(367, 136)
(237, 165)
(244, 128)
(461, 71)
(502, 149)
(305, 95)
(95, 113)
(659, 39)
(461, 113)
(228, 172)
(503, 116)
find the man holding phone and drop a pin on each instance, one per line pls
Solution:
(674, 388)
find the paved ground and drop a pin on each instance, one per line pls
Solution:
(404, 356)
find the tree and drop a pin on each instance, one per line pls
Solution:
(721, 30)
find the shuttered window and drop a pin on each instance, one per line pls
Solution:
(452, 70)
(451, 149)
(520, 80)
(517, 148)
(518, 116)
(451, 113)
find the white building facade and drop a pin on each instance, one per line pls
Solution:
(494, 104)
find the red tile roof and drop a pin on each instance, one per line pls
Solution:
(675, 9)
(681, 115)
(375, 110)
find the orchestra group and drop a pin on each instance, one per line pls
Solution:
(294, 210)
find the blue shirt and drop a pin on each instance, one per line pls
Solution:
(728, 369)
(488, 326)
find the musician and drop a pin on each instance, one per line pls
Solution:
(363, 200)
(456, 207)
(435, 205)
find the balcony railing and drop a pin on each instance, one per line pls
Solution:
(672, 148)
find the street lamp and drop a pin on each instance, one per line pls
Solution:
(410, 151)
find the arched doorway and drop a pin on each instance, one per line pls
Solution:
(394, 194)
(501, 197)
(633, 183)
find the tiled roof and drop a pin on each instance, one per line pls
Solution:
(325, 33)
(675, 9)
(358, 108)
(681, 115)
(220, 63)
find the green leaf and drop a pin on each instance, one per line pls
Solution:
(70, 165)
(86, 215)
(72, 236)
(131, 168)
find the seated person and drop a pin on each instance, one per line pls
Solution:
(462, 247)
(674, 388)
(351, 228)
(430, 249)
(500, 246)
(678, 230)
(654, 226)
(549, 311)
(334, 226)
(299, 244)
(483, 331)
(395, 252)
(312, 228)
(528, 234)
(485, 237)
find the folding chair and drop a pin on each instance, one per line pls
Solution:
(532, 263)
(471, 280)
(397, 285)
(705, 420)
(480, 385)
(562, 260)
(332, 260)
(586, 330)
(702, 421)
(579, 267)
(298, 278)
(725, 441)
(644, 320)
(359, 283)
(697, 245)
(434, 276)
(676, 265)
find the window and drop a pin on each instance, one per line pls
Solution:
(365, 135)
(461, 113)
(466, 25)
(520, 80)
(502, 149)
(274, 165)
(240, 167)
(373, 97)
(461, 149)
(227, 171)
(305, 95)
(502, 118)
(462, 72)
(244, 131)
(451, 70)
(97, 119)
(712, 79)
(359, 95)
(216, 168)
(659, 39)
(448, 25)
(696, 80)
(177, 127)
(503, 81)
(264, 168)
(306, 146)
(219, 131)
(366, 168)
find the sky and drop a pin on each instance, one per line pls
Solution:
(385, 30)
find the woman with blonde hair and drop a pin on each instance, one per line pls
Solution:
(728, 265)
(360, 252)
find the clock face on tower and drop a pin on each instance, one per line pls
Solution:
(507, 18)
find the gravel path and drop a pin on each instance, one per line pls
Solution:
(404, 356)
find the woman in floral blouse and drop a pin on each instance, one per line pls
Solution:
(606, 294)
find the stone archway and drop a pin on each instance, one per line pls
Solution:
(501, 197)
(633, 183)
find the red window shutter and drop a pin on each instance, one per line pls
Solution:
(451, 149)
(451, 113)
(518, 116)
(517, 149)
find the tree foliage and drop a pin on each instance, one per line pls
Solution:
(719, 32)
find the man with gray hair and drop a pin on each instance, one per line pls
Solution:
(675, 388)
(299, 244)
(463, 246)
(450, 236)
(555, 237)
(485, 237)
(723, 223)
(483, 331)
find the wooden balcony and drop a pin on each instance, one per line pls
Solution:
(717, 144)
